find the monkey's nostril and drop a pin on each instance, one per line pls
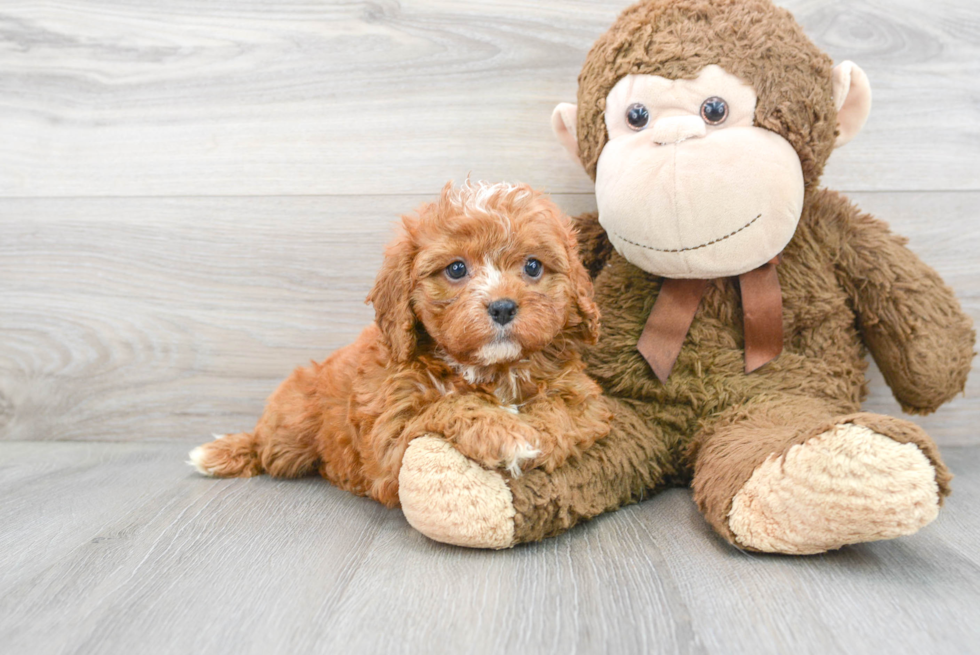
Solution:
(502, 311)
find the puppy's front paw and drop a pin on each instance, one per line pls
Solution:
(518, 455)
(511, 446)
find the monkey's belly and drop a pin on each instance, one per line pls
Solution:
(822, 352)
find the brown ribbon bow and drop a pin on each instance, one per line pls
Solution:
(672, 314)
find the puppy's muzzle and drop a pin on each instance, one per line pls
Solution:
(502, 311)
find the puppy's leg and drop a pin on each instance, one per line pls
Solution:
(283, 443)
(479, 429)
(570, 418)
(229, 456)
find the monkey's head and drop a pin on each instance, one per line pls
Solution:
(703, 124)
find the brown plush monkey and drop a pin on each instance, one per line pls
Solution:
(738, 301)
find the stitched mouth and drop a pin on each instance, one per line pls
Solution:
(703, 245)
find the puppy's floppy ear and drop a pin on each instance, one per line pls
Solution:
(582, 288)
(391, 296)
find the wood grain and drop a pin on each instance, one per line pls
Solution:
(149, 319)
(113, 98)
(193, 200)
(121, 548)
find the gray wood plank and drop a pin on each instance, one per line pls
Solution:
(120, 548)
(235, 97)
(149, 319)
(123, 548)
(182, 323)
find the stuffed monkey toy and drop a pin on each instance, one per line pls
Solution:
(738, 298)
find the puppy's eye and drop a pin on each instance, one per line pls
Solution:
(637, 116)
(714, 111)
(533, 268)
(456, 270)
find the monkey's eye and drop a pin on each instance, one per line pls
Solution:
(533, 268)
(637, 116)
(714, 111)
(456, 270)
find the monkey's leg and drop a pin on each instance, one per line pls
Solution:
(783, 474)
(451, 499)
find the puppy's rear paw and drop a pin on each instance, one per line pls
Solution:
(228, 456)
(199, 460)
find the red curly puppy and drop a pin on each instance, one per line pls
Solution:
(481, 306)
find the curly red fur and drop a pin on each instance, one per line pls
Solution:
(434, 361)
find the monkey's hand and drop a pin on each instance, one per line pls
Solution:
(909, 318)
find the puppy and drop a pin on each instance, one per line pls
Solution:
(482, 307)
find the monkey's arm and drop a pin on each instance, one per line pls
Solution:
(453, 500)
(593, 245)
(909, 318)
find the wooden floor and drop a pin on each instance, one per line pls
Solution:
(193, 200)
(120, 548)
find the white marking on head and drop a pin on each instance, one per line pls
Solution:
(477, 197)
(487, 280)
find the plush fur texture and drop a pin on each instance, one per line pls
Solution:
(871, 482)
(678, 38)
(850, 287)
(452, 498)
(510, 396)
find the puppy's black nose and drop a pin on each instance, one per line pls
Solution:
(502, 311)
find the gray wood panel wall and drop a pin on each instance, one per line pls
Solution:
(194, 194)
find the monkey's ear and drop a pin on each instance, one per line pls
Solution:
(852, 97)
(563, 122)
(391, 299)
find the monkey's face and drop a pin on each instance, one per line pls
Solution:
(687, 186)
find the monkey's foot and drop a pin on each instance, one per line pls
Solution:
(452, 499)
(845, 486)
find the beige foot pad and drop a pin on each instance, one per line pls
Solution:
(846, 486)
(452, 499)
